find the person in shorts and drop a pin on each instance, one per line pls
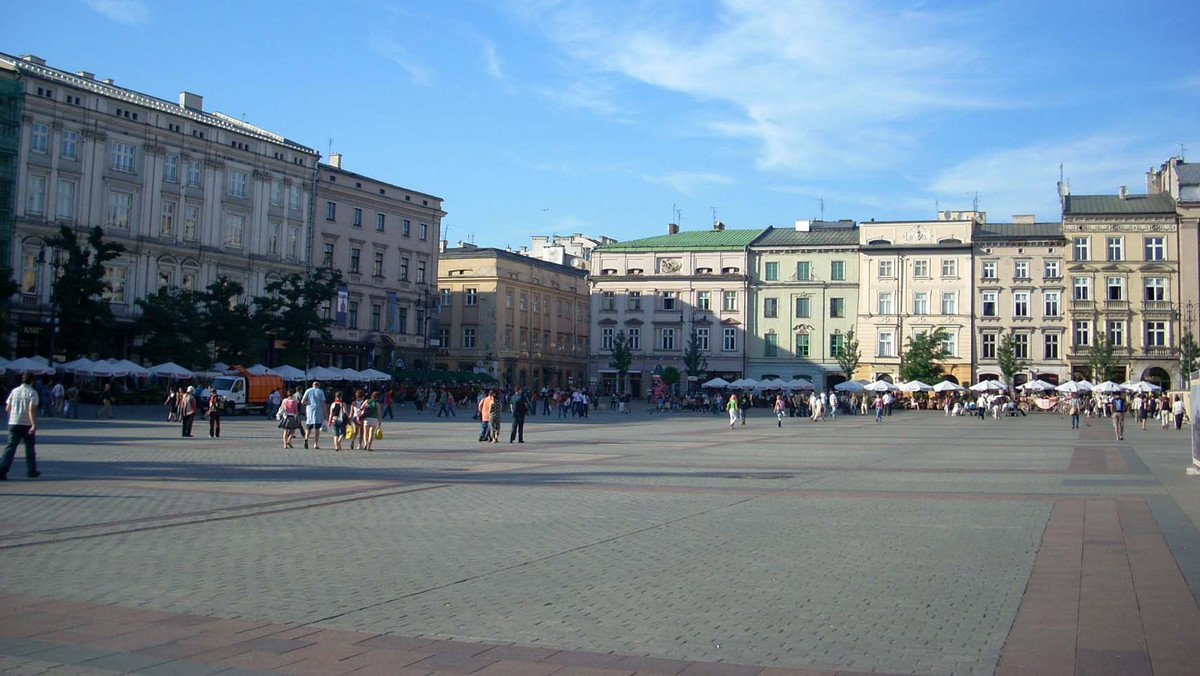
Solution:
(338, 417)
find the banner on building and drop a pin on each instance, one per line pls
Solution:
(343, 300)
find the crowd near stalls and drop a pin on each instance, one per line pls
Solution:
(62, 387)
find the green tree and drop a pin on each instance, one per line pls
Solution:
(1006, 357)
(235, 332)
(84, 315)
(693, 359)
(293, 308)
(923, 356)
(849, 354)
(1101, 359)
(621, 358)
(1189, 355)
(8, 287)
(170, 328)
(670, 377)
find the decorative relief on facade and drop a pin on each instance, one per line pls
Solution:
(212, 163)
(261, 175)
(669, 266)
(918, 234)
(95, 135)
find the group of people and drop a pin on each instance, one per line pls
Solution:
(489, 410)
(184, 403)
(360, 420)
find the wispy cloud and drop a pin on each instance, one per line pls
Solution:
(393, 51)
(1189, 83)
(588, 94)
(491, 60)
(128, 12)
(687, 182)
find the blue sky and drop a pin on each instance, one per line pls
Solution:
(556, 116)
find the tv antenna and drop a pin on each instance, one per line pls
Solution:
(714, 212)
(822, 201)
(1182, 151)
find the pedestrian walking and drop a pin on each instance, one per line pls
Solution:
(484, 409)
(520, 407)
(780, 409)
(735, 411)
(214, 415)
(106, 402)
(273, 401)
(1073, 411)
(338, 417)
(1141, 408)
(22, 407)
(878, 408)
(172, 403)
(1118, 416)
(314, 414)
(387, 404)
(187, 411)
(372, 422)
(288, 416)
(494, 417)
(357, 410)
(1178, 412)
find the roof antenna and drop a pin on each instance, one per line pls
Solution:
(330, 150)
(975, 203)
(1182, 150)
(822, 201)
(714, 210)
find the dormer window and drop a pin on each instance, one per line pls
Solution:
(608, 271)
(635, 271)
(730, 271)
(704, 271)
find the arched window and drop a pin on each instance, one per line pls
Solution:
(1157, 376)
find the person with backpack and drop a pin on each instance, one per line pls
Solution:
(338, 417)
(1118, 416)
(1073, 411)
(520, 408)
(372, 420)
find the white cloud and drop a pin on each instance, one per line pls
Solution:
(814, 83)
(687, 182)
(589, 94)
(129, 12)
(393, 51)
(491, 60)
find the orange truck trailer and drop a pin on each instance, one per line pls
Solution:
(243, 391)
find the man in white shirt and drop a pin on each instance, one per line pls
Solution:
(314, 414)
(22, 424)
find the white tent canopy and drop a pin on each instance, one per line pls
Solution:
(849, 386)
(798, 384)
(80, 365)
(988, 386)
(743, 383)
(1037, 386)
(947, 386)
(1107, 387)
(129, 367)
(35, 365)
(916, 386)
(219, 367)
(770, 384)
(257, 370)
(171, 370)
(373, 375)
(716, 382)
(880, 386)
(322, 373)
(1142, 386)
(1074, 387)
(287, 372)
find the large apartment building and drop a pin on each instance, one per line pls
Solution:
(384, 239)
(192, 195)
(1181, 180)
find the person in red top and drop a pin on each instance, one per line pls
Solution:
(387, 404)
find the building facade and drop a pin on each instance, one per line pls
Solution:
(804, 301)
(1124, 277)
(519, 319)
(916, 276)
(192, 195)
(1181, 180)
(384, 239)
(1019, 290)
(574, 250)
(660, 291)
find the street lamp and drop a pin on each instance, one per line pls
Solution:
(56, 264)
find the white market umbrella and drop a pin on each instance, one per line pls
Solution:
(256, 370)
(1107, 387)
(322, 373)
(988, 386)
(916, 386)
(1037, 386)
(716, 382)
(798, 384)
(743, 383)
(880, 386)
(947, 386)
(849, 386)
(287, 372)
(80, 365)
(1143, 387)
(104, 369)
(171, 370)
(129, 367)
(769, 384)
(373, 375)
(1073, 387)
(33, 365)
(219, 367)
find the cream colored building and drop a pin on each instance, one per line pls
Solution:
(804, 300)
(1181, 180)
(916, 276)
(658, 291)
(384, 239)
(1020, 288)
(1123, 272)
(519, 319)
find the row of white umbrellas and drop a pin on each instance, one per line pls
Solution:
(120, 368)
(766, 384)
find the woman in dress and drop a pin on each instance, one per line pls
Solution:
(289, 418)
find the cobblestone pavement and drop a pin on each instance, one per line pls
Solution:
(616, 544)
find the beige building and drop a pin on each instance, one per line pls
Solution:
(1181, 180)
(916, 276)
(1020, 288)
(519, 319)
(804, 300)
(659, 291)
(1123, 271)
(192, 195)
(384, 240)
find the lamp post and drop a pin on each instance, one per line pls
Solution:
(55, 263)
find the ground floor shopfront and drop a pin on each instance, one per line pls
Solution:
(644, 372)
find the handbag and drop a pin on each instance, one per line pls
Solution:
(378, 433)
(350, 431)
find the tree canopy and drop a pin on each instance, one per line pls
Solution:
(621, 358)
(923, 356)
(78, 294)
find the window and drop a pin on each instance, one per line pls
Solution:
(837, 308)
(666, 339)
(1021, 345)
(949, 303)
(276, 193)
(886, 269)
(406, 227)
(730, 301)
(273, 233)
(237, 183)
(802, 307)
(524, 305)
(70, 144)
(772, 272)
(1083, 333)
(635, 302)
(120, 210)
(703, 300)
(1051, 306)
(1083, 249)
(114, 278)
(1116, 288)
(293, 242)
(380, 222)
(1116, 332)
(424, 231)
(1156, 334)
(837, 271)
(471, 297)
(29, 269)
(886, 344)
(327, 256)
(1021, 269)
(404, 268)
(1050, 346)
(537, 303)
(633, 338)
(294, 197)
(837, 343)
(771, 345)
(377, 267)
(608, 301)
(402, 319)
(802, 348)
(886, 306)
(420, 272)
(987, 346)
(729, 339)
(508, 299)
(1155, 249)
(668, 300)
(191, 222)
(443, 337)
(355, 260)
(352, 314)
(468, 338)
(166, 221)
(989, 305)
(376, 314)
(702, 340)
(1083, 288)
(1116, 248)
(356, 218)
(64, 207)
(949, 267)
(770, 307)
(1052, 268)
(1021, 304)
(445, 297)
(40, 142)
(35, 200)
(195, 173)
(235, 224)
(950, 344)
(921, 267)
(921, 303)
(330, 211)
(606, 338)
(988, 270)
(171, 169)
(803, 271)
(1156, 288)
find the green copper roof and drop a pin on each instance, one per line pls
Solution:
(1114, 204)
(688, 240)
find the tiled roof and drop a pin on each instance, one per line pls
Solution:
(1113, 204)
(1019, 231)
(1189, 173)
(840, 236)
(687, 240)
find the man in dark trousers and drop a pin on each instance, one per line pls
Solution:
(520, 408)
(187, 411)
(22, 408)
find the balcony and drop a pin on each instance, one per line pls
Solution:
(1158, 307)
(1159, 351)
(1083, 305)
(1116, 306)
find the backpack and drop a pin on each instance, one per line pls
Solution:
(340, 416)
(1119, 405)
